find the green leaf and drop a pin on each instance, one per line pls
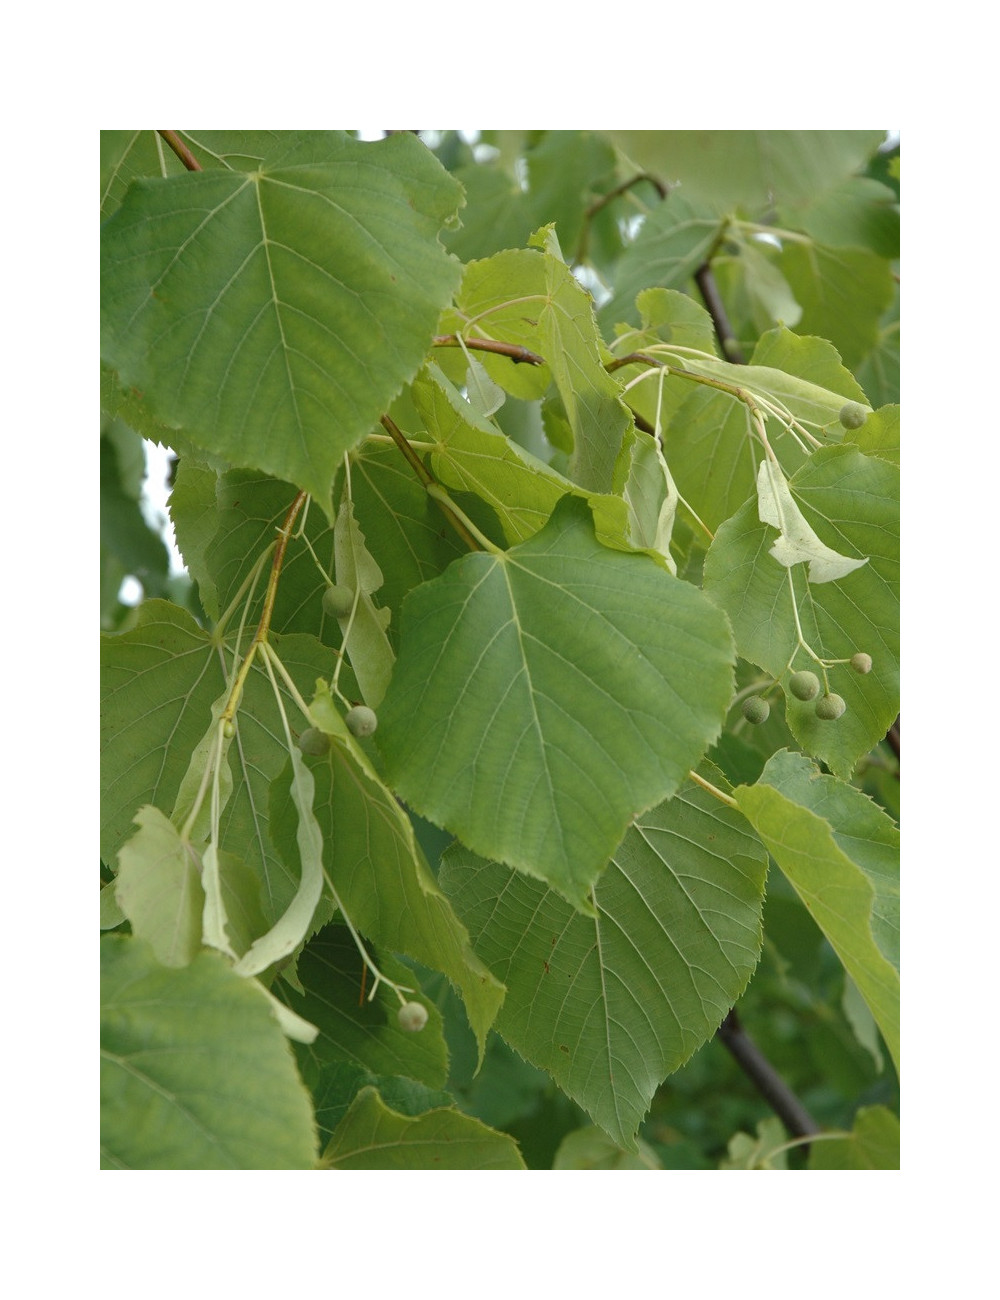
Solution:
(195, 1072)
(841, 853)
(797, 542)
(611, 1004)
(500, 298)
(293, 925)
(765, 1151)
(650, 493)
(373, 861)
(873, 1143)
(843, 293)
(364, 628)
(752, 169)
(852, 502)
(879, 435)
(250, 307)
(675, 239)
(591, 398)
(858, 213)
(711, 453)
(111, 914)
(591, 1148)
(362, 1031)
(544, 696)
(159, 889)
(371, 1136)
(159, 682)
(472, 456)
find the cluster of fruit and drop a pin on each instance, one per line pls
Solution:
(805, 686)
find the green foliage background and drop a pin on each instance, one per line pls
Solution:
(563, 838)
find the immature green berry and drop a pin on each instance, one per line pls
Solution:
(314, 742)
(412, 1017)
(804, 685)
(829, 707)
(228, 730)
(861, 663)
(853, 415)
(756, 710)
(361, 720)
(338, 601)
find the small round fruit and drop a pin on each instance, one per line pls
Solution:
(314, 742)
(804, 685)
(228, 730)
(853, 415)
(412, 1017)
(861, 663)
(830, 707)
(756, 710)
(361, 720)
(338, 601)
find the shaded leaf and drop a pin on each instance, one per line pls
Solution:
(873, 1143)
(249, 307)
(591, 1148)
(841, 853)
(357, 1030)
(371, 1136)
(373, 861)
(611, 1004)
(751, 169)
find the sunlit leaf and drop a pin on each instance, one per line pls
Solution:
(544, 696)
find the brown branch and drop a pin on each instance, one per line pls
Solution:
(765, 1078)
(705, 280)
(516, 353)
(426, 478)
(181, 150)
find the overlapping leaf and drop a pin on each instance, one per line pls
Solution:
(272, 315)
(711, 452)
(160, 681)
(371, 1136)
(873, 1143)
(159, 889)
(365, 1033)
(675, 239)
(611, 1004)
(372, 859)
(195, 1072)
(472, 456)
(544, 696)
(852, 502)
(841, 853)
(752, 169)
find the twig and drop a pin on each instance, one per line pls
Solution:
(705, 280)
(181, 150)
(516, 353)
(766, 1079)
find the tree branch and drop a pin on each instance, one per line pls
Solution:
(765, 1078)
(181, 150)
(516, 353)
(705, 280)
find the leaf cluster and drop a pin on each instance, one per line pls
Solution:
(517, 714)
